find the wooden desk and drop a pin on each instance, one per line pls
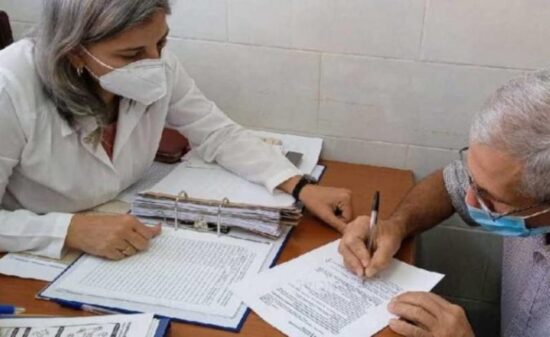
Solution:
(310, 234)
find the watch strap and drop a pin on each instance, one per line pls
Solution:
(304, 180)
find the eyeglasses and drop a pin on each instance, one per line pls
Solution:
(494, 215)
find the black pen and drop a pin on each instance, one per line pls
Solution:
(373, 222)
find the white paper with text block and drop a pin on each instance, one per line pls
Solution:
(315, 296)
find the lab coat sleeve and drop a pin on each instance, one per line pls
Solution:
(217, 138)
(22, 230)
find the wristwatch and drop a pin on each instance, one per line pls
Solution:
(306, 179)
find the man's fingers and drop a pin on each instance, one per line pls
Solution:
(432, 303)
(385, 250)
(413, 313)
(407, 329)
(437, 299)
(351, 261)
(357, 246)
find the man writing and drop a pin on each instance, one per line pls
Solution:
(500, 183)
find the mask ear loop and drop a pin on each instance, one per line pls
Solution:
(538, 230)
(96, 59)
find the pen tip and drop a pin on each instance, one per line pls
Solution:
(376, 200)
(19, 311)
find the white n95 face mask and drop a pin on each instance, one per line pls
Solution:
(142, 81)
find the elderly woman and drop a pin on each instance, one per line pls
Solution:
(82, 108)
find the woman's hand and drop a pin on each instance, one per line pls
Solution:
(353, 246)
(428, 315)
(112, 236)
(330, 204)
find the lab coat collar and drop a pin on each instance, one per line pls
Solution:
(86, 124)
(129, 114)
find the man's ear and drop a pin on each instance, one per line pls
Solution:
(76, 57)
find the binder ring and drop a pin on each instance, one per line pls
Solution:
(182, 195)
(224, 202)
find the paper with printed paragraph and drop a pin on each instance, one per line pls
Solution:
(315, 296)
(139, 325)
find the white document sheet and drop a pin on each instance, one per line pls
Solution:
(318, 172)
(314, 295)
(139, 325)
(309, 147)
(183, 270)
(35, 267)
(216, 183)
(191, 175)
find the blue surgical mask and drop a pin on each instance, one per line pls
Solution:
(508, 225)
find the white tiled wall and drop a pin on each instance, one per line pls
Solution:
(385, 82)
(505, 33)
(370, 76)
(204, 19)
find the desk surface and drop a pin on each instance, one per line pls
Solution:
(310, 234)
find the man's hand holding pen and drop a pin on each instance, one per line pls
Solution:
(365, 254)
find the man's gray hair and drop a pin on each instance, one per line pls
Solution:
(516, 120)
(66, 24)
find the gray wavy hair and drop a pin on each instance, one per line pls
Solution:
(516, 120)
(66, 24)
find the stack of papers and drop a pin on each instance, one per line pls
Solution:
(139, 325)
(215, 195)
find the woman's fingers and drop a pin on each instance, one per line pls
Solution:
(111, 236)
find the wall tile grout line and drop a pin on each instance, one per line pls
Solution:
(373, 57)
(423, 31)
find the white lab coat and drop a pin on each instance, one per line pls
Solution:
(48, 170)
